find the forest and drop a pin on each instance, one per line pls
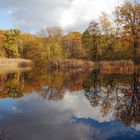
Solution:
(110, 37)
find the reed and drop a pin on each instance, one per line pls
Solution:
(5, 62)
(122, 66)
(70, 64)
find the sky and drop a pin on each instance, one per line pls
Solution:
(70, 15)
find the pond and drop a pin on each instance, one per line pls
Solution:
(69, 105)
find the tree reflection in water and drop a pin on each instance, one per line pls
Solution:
(129, 109)
(11, 86)
(52, 93)
(92, 88)
(119, 94)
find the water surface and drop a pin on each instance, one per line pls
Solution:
(42, 105)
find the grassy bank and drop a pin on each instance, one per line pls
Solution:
(69, 64)
(9, 62)
(14, 65)
(123, 66)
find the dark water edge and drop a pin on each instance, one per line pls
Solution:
(78, 105)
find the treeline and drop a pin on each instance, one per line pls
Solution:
(115, 37)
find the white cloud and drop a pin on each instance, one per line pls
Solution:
(69, 14)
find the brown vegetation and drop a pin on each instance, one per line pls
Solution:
(4, 62)
(121, 67)
(14, 65)
(69, 64)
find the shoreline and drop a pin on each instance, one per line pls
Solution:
(117, 66)
(121, 66)
(13, 62)
(14, 65)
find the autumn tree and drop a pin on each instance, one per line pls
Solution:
(107, 38)
(94, 31)
(106, 25)
(10, 43)
(52, 39)
(72, 43)
(130, 20)
(2, 38)
(86, 43)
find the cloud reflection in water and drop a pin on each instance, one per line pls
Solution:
(33, 118)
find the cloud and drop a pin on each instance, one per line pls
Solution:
(69, 14)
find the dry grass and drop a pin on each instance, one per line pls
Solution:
(5, 62)
(122, 66)
(14, 65)
(70, 64)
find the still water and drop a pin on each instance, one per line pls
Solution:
(42, 105)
